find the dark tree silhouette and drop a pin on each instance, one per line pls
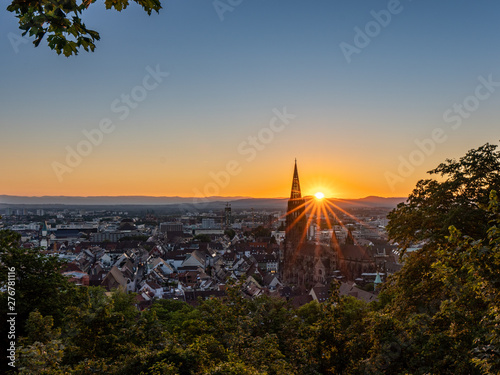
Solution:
(61, 22)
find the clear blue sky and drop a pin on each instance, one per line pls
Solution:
(354, 121)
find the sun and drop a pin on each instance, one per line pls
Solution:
(319, 195)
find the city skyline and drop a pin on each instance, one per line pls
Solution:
(208, 101)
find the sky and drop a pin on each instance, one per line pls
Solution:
(220, 98)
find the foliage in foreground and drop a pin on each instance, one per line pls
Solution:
(439, 314)
(62, 23)
(457, 333)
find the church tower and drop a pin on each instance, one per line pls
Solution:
(296, 222)
(295, 217)
(44, 236)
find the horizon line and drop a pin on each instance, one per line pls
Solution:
(184, 197)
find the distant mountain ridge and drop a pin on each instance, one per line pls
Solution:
(106, 200)
(236, 202)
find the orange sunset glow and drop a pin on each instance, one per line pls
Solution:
(319, 195)
(357, 130)
(115, 176)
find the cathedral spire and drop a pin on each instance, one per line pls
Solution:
(295, 194)
(296, 228)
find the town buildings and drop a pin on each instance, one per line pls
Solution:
(294, 254)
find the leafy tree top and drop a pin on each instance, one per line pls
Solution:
(460, 198)
(61, 21)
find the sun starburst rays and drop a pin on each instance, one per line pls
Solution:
(316, 210)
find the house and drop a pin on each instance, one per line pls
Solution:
(157, 251)
(153, 288)
(106, 260)
(175, 258)
(320, 293)
(147, 295)
(190, 278)
(114, 280)
(193, 261)
(71, 267)
(252, 287)
(125, 261)
(159, 265)
(228, 258)
(271, 281)
(242, 265)
(392, 267)
(97, 274)
(266, 262)
(77, 277)
(350, 289)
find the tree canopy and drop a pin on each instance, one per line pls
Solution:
(459, 198)
(457, 333)
(440, 314)
(61, 21)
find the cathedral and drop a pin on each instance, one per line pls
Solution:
(303, 263)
